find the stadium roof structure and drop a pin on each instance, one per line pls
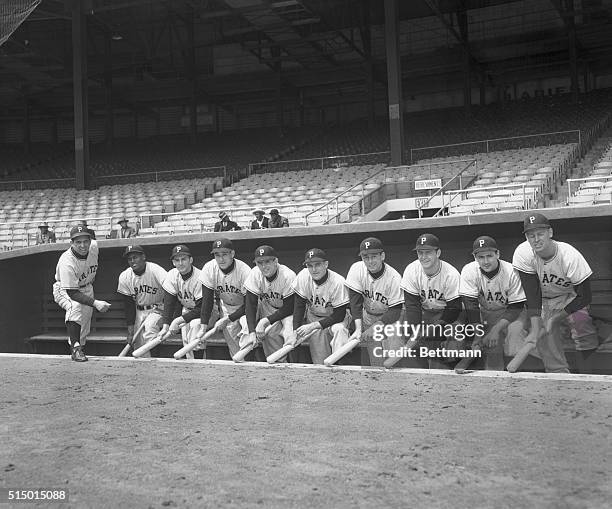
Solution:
(228, 52)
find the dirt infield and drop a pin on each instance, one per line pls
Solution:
(168, 434)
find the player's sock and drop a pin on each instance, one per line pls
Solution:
(74, 331)
(585, 361)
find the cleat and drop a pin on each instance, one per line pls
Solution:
(78, 355)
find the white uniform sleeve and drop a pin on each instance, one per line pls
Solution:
(523, 259)
(289, 277)
(206, 276)
(515, 289)
(160, 274)
(468, 285)
(396, 295)
(577, 268)
(68, 277)
(451, 283)
(123, 286)
(169, 283)
(354, 278)
(300, 284)
(340, 295)
(252, 282)
(409, 280)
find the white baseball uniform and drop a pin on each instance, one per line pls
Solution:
(320, 303)
(557, 277)
(271, 295)
(146, 290)
(230, 289)
(494, 295)
(73, 273)
(379, 295)
(188, 292)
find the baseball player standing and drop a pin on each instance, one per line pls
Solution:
(375, 296)
(492, 295)
(225, 276)
(320, 304)
(431, 294)
(73, 288)
(182, 287)
(141, 286)
(556, 280)
(269, 301)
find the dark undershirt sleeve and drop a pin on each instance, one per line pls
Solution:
(336, 317)
(169, 307)
(513, 311)
(194, 313)
(299, 310)
(583, 297)
(472, 309)
(414, 312)
(80, 297)
(392, 315)
(130, 309)
(451, 311)
(208, 301)
(533, 292)
(237, 314)
(251, 310)
(356, 304)
(285, 310)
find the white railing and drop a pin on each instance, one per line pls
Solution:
(577, 184)
(528, 192)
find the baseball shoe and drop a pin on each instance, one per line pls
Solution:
(78, 354)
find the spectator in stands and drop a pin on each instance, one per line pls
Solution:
(260, 221)
(277, 221)
(44, 235)
(226, 224)
(125, 232)
(83, 223)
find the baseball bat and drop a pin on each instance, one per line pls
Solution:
(284, 350)
(127, 347)
(519, 358)
(192, 344)
(464, 363)
(338, 354)
(240, 355)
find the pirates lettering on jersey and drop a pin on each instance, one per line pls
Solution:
(185, 294)
(552, 279)
(269, 295)
(376, 296)
(92, 270)
(145, 289)
(317, 300)
(227, 288)
(491, 297)
(432, 294)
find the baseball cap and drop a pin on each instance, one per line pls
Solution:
(221, 244)
(427, 241)
(535, 221)
(78, 231)
(484, 243)
(133, 249)
(315, 255)
(43, 225)
(370, 245)
(265, 252)
(180, 249)
(122, 220)
(222, 214)
(274, 211)
(258, 211)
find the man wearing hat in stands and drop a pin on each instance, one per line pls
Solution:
(73, 288)
(557, 283)
(278, 221)
(269, 301)
(260, 220)
(431, 297)
(225, 224)
(375, 298)
(125, 232)
(493, 296)
(141, 285)
(225, 276)
(182, 286)
(321, 301)
(44, 236)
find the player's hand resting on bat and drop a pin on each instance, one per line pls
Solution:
(164, 332)
(304, 330)
(491, 338)
(358, 330)
(221, 324)
(555, 320)
(248, 339)
(260, 330)
(101, 305)
(177, 323)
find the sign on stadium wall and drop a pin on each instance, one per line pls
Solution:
(427, 184)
